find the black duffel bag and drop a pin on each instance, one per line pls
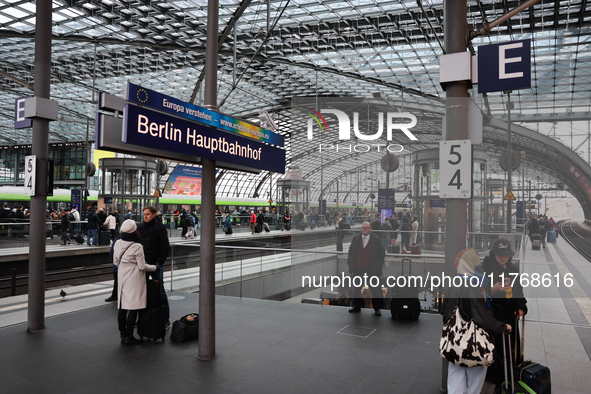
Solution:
(184, 330)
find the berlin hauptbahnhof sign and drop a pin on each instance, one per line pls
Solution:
(145, 127)
(162, 102)
(181, 131)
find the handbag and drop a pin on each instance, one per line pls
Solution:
(184, 329)
(465, 343)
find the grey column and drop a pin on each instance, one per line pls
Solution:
(456, 33)
(207, 269)
(36, 310)
(455, 37)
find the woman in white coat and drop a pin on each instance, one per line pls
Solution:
(111, 224)
(128, 255)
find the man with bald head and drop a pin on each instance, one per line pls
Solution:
(366, 257)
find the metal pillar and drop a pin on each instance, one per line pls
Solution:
(36, 309)
(207, 269)
(456, 36)
(509, 164)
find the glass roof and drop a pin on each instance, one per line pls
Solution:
(316, 48)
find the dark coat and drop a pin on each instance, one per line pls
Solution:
(378, 254)
(387, 227)
(406, 225)
(504, 308)
(102, 216)
(155, 241)
(472, 307)
(94, 221)
(533, 227)
(65, 223)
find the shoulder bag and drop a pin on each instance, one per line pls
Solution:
(465, 343)
(186, 328)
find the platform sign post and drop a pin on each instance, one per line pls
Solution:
(455, 169)
(30, 171)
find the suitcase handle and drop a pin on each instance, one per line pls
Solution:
(522, 336)
(409, 261)
(508, 342)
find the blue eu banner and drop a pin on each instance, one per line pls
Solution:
(505, 66)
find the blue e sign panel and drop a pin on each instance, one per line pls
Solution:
(505, 66)
(151, 129)
(20, 122)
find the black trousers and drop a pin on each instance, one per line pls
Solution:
(126, 320)
(377, 296)
(114, 292)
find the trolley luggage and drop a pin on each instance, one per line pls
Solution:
(415, 249)
(551, 236)
(154, 294)
(394, 249)
(536, 244)
(534, 375)
(151, 323)
(104, 238)
(266, 227)
(405, 301)
(78, 238)
(258, 228)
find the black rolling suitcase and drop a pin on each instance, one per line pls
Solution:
(104, 238)
(531, 374)
(405, 301)
(152, 320)
(394, 249)
(78, 238)
(151, 323)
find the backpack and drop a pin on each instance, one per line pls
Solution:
(71, 217)
(187, 220)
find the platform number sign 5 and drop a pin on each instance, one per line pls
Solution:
(455, 165)
(30, 170)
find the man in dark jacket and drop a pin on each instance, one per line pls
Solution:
(543, 224)
(386, 236)
(65, 227)
(92, 227)
(102, 215)
(366, 258)
(156, 248)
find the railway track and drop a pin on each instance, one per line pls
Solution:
(578, 235)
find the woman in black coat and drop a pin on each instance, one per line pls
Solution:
(508, 301)
(471, 303)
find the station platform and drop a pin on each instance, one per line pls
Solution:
(279, 347)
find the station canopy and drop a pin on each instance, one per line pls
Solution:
(271, 52)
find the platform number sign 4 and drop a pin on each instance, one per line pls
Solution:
(455, 164)
(30, 170)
